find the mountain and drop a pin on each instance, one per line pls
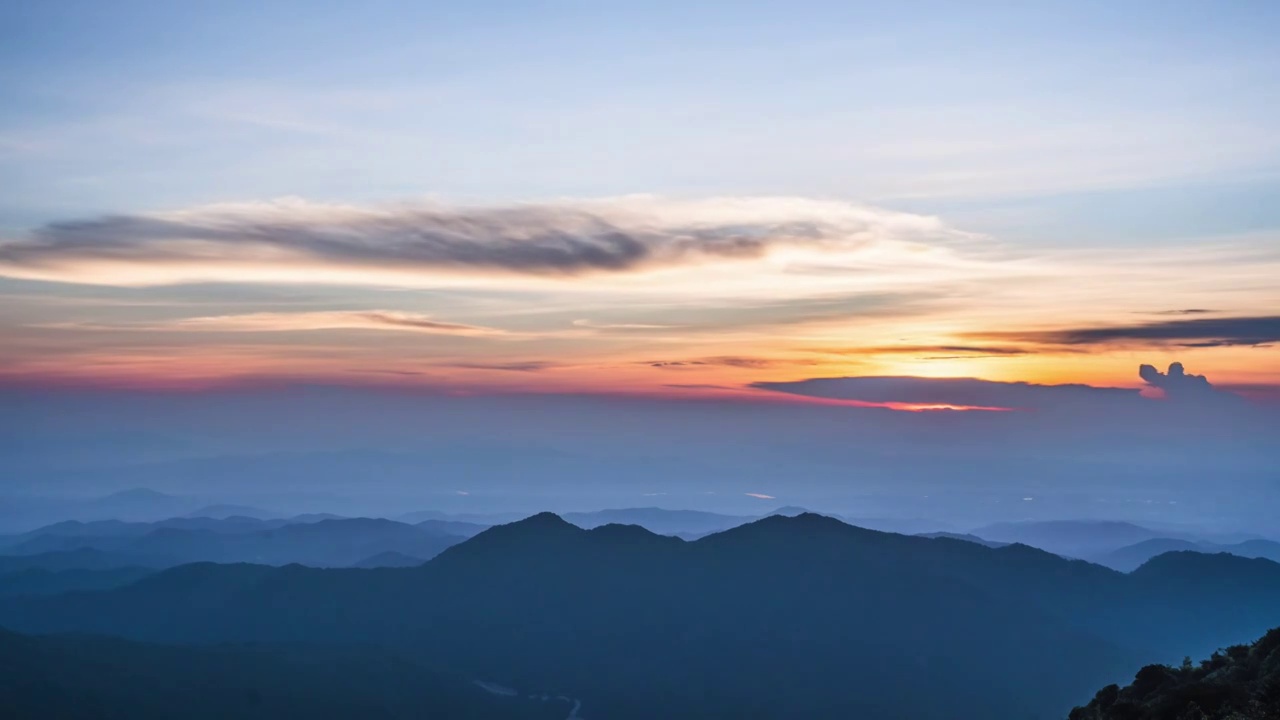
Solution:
(658, 520)
(902, 526)
(37, 581)
(966, 537)
(485, 519)
(72, 533)
(81, 559)
(693, 524)
(390, 559)
(1132, 556)
(84, 677)
(325, 543)
(1241, 682)
(842, 621)
(136, 504)
(1071, 538)
(452, 527)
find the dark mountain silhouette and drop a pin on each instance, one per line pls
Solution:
(839, 621)
(1241, 682)
(37, 581)
(1072, 538)
(1131, 556)
(84, 677)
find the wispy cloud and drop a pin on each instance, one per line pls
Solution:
(300, 321)
(761, 496)
(527, 366)
(956, 351)
(1199, 332)
(566, 239)
(735, 362)
(623, 326)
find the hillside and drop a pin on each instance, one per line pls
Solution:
(841, 621)
(85, 677)
(1241, 682)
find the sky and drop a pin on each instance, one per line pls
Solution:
(656, 198)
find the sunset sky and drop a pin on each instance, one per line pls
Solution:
(659, 198)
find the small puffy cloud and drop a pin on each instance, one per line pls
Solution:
(1176, 382)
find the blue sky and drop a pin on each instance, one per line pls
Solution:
(1032, 119)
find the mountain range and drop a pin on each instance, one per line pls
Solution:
(780, 617)
(1133, 556)
(80, 676)
(320, 541)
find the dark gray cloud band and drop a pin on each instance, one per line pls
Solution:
(551, 239)
(1198, 332)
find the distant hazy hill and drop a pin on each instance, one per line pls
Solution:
(1073, 538)
(80, 559)
(783, 617)
(389, 559)
(658, 520)
(322, 542)
(1241, 682)
(85, 677)
(1131, 556)
(967, 537)
(692, 524)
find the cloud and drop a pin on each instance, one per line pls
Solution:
(1198, 332)
(1176, 382)
(957, 351)
(273, 241)
(954, 392)
(760, 496)
(623, 326)
(300, 321)
(522, 366)
(728, 361)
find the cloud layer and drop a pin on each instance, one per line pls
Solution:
(629, 292)
(549, 240)
(1200, 332)
(299, 321)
